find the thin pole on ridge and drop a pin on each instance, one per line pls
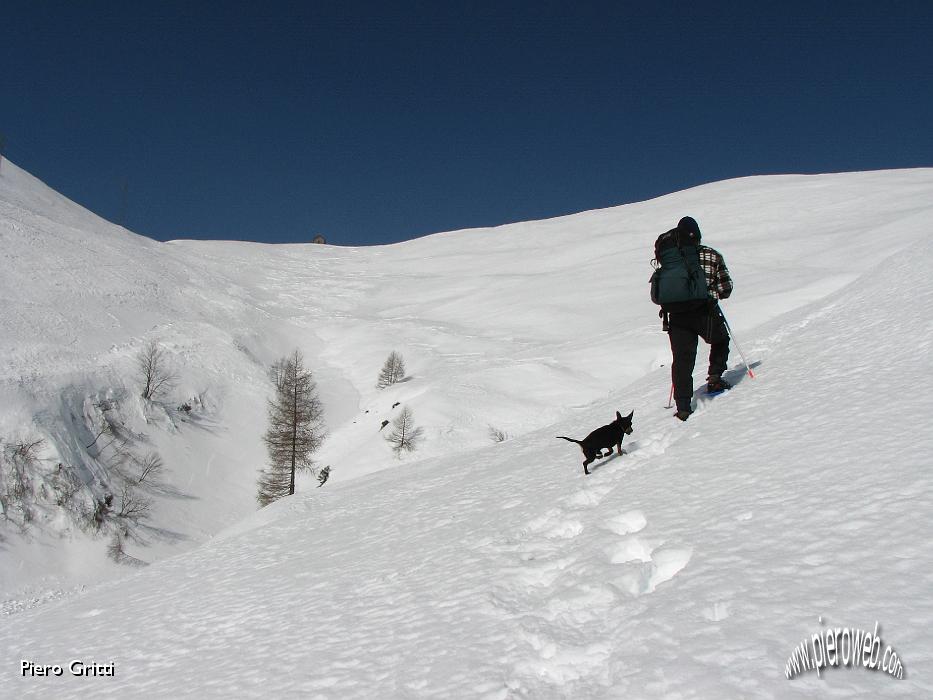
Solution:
(670, 399)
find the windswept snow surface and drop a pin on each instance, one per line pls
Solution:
(690, 567)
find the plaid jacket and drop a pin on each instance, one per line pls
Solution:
(717, 274)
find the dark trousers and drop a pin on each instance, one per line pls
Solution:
(685, 329)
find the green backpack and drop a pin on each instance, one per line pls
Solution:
(678, 282)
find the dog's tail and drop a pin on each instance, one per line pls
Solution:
(561, 437)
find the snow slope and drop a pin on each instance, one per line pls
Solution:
(690, 567)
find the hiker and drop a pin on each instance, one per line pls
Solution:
(688, 285)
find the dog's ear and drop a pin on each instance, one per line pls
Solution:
(631, 415)
(618, 416)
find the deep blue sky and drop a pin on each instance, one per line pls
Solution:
(383, 121)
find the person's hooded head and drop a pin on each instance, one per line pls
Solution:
(689, 225)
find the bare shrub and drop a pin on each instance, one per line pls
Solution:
(150, 470)
(134, 506)
(65, 484)
(18, 467)
(103, 428)
(497, 435)
(28, 451)
(155, 371)
(106, 427)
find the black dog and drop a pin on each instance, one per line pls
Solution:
(604, 437)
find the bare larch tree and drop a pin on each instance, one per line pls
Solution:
(392, 371)
(404, 435)
(296, 427)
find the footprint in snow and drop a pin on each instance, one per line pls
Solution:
(541, 575)
(716, 612)
(553, 525)
(587, 497)
(626, 523)
(629, 549)
(663, 565)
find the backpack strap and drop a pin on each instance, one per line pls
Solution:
(691, 273)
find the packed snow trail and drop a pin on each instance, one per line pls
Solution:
(690, 567)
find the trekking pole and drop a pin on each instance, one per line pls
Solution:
(670, 399)
(732, 335)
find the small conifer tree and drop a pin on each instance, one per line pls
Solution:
(392, 371)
